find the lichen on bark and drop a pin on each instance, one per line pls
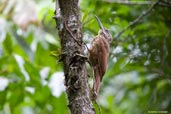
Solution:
(76, 80)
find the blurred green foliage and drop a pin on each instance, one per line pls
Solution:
(25, 46)
(138, 77)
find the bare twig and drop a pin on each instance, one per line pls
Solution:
(165, 4)
(161, 3)
(71, 33)
(130, 2)
(143, 14)
(74, 37)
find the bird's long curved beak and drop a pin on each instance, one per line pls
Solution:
(99, 22)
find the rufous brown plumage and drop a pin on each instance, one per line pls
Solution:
(98, 56)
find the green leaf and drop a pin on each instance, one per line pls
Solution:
(8, 44)
(2, 98)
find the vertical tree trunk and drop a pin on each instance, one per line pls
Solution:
(70, 33)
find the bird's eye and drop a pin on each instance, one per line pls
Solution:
(106, 31)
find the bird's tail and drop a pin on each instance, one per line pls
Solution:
(96, 84)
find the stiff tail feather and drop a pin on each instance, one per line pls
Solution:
(96, 84)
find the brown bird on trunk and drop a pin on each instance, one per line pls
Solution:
(98, 56)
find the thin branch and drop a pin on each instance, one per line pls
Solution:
(71, 33)
(143, 14)
(129, 2)
(161, 3)
(165, 4)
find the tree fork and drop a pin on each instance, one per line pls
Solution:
(69, 27)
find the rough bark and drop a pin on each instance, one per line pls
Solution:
(76, 80)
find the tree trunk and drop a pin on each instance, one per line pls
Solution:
(76, 80)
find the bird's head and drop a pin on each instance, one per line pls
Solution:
(104, 31)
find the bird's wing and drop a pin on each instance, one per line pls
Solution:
(102, 57)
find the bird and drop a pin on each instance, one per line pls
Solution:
(98, 56)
